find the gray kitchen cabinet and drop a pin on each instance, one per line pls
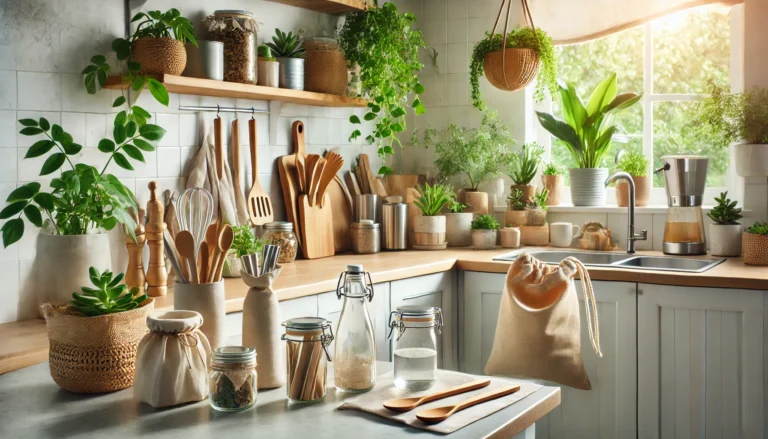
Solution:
(609, 409)
(433, 290)
(702, 362)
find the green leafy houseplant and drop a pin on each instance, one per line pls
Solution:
(432, 199)
(245, 242)
(553, 168)
(516, 200)
(634, 164)
(525, 163)
(726, 212)
(455, 206)
(758, 229)
(385, 44)
(522, 38)
(286, 45)
(485, 222)
(587, 130)
(109, 296)
(724, 118)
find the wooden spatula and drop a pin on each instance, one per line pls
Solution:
(407, 404)
(259, 204)
(185, 244)
(440, 414)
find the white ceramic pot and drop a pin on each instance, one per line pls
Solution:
(457, 229)
(484, 239)
(62, 262)
(588, 186)
(725, 239)
(429, 224)
(751, 160)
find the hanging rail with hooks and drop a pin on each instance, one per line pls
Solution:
(220, 109)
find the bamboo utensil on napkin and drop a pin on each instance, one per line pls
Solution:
(442, 413)
(406, 404)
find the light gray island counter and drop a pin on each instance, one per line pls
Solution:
(33, 406)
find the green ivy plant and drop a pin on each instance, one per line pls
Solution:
(516, 200)
(726, 212)
(758, 229)
(525, 163)
(109, 296)
(587, 130)
(432, 198)
(724, 118)
(553, 168)
(245, 242)
(385, 44)
(485, 222)
(633, 163)
(522, 38)
(286, 45)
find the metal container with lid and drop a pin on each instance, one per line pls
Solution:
(365, 237)
(281, 233)
(415, 350)
(685, 177)
(233, 379)
(307, 340)
(394, 224)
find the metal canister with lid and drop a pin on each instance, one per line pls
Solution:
(415, 347)
(394, 224)
(365, 237)
(306, 347)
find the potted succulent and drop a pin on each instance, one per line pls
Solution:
(385, 45)
(288, 50)
(429, 228)
(515, 215)
(725, 233)
(269, 68)
(740, 120)
(523, 167)
(636, 165)
(510, 236)
(755, 244)
(484, 231)
(158, 42)
(95, 337)
(552, 180)
(536, 209)
(587, 132)
(458, 224)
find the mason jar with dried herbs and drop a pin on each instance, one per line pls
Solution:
(233, 378)
(280, 233)
(237, 30)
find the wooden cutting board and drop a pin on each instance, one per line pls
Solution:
(316, 227)
(286, 169)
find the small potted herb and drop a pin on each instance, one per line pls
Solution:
(269, 68)
(484, 231)
(429, 228)
(536, 209)
(523, 167)
(288, 50)
(244, 243)
(100, 326)
(725, 233)
(158, 42)
(458, 224)
(515, 214)
(510, 236)
(755, 244)
(636, 165)
(553, 180)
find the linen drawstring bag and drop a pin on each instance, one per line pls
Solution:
(262, 329)
(538, 332)
(173, 360)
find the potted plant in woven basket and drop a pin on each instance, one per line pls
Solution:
(636, 165)
(458, 224)
(586, 130)
(158, 42)
(536, 209)
(288, 50)
(725, 233)
(484, 231)
(522, 169)
(552, 180)
(515, 215)
(429, 228)
(755, 244)
(94, 339)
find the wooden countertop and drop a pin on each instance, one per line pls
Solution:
(25, 343)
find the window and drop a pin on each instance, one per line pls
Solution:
(672, 60)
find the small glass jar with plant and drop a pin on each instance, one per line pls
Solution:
(515, 215)
(586, 131)
(636, 165)
(429, 228)
(458, 224)
(289, 51)
(755, 244)
(484, 231)
(536, 209)
(725, 233)
(523, 166)
(553, 180)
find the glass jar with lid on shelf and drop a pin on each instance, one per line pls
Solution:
(233, 378)
(281, 233)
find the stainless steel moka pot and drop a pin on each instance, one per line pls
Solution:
(685, 177)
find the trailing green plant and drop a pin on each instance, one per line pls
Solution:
(109, 296)
(521, 38)
(724, 118)
(287, 45)
(485, 222)
(265, 53)
(539, 200)
(476, 154)
(553, 168)
(385, 44)
(633, 163)
(525, 163)
(516, 200)
(245, 242)
(455, 206)
(432, 198)
(758, 229)
(587, 130)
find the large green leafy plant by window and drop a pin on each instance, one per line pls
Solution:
(385, 44)
(587, 130)
(724, 118)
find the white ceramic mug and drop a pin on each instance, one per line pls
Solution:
(561, 234)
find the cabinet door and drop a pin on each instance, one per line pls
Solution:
(702, 362)
(433, 290)
(329, 307)
(609, 409)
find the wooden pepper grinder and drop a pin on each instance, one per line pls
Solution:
(157, 277)
(134, 274)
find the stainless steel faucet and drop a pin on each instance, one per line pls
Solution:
(631, 235)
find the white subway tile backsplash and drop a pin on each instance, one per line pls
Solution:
(458, 61)
(188, 129)
(7, 129)
(457, 31)
(457, 9)
(434, 10)
(39, 91)
(95, 129)
(8, 91)
(75, 124)
(8, 165)
(169, 162)
(435, 90)
(478, 26)
(435, 32)
(458, 89)
(170, 123)
(9, 291)
(317, 131)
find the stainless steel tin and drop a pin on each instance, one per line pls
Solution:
(367, 208)
(685, 178)
(394, 223)
(291, 73)
(205, 61)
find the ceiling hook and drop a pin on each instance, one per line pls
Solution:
(253, 112)
(217, 111)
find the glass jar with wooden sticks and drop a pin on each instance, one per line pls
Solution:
(306, 348)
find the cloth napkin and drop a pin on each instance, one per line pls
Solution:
(372, 402)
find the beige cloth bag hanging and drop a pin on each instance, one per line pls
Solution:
(262, 330)
(173, 360)
(538, 332)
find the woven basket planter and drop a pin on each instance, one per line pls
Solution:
(755, 248)
(520, 68)
(160, 55)
(94, 354)
(325, 71)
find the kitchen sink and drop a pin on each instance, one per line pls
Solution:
(619, 260)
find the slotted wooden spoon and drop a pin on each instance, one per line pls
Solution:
(407, 404)
(258, 202)
(440, 414)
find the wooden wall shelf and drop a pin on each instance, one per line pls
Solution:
(335, 7)
(223, 89)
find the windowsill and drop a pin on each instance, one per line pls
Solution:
(651, 209)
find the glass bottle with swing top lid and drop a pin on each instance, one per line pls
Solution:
(306, 347)
(415, 348)
(354, 361)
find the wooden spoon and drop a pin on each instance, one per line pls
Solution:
(226, 237)
(185, 244)
(212, 241)
(442, 413)
(407, 404)
(203, 269)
